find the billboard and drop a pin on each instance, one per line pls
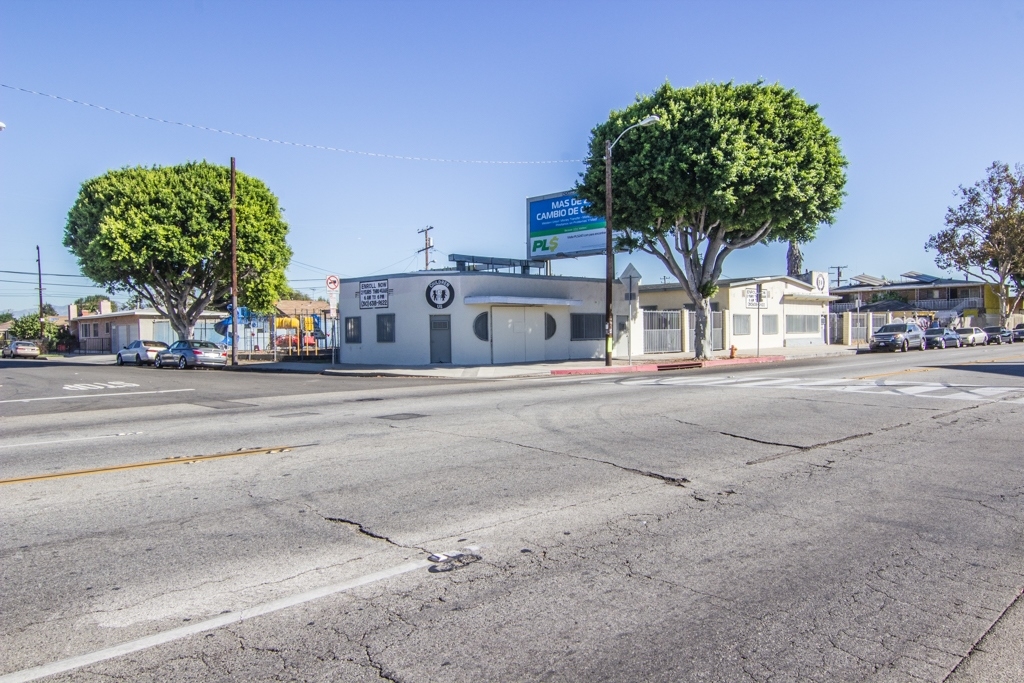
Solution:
(557, 226)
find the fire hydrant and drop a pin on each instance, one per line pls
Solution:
(732, 351)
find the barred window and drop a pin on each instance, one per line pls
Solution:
(770, 324)
(481, 328)
(354, 330)
(385, 327)
(803, 324)
(586, 326)
(740, 323)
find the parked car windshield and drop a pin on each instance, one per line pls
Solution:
(155, 344)
(892, 328)
(966, 330)
(993, 329)
(934, 332)
(1020, 326)
(202, 345)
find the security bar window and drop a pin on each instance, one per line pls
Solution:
(586, 326)
(354, 330)
(770, 324)
(803, 324)
(385, 327)
(740, 323)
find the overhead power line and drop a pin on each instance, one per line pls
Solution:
(257, 138)
(25, 272)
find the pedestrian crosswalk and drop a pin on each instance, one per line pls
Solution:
(941, 390)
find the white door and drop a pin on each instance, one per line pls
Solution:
(508, 328)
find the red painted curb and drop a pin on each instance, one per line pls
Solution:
(681, 365)
(606, 370)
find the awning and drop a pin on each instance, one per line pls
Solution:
(521, 301)
(810, 298)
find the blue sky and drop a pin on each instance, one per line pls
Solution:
(923, 95)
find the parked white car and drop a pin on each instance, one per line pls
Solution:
(973, 336)
(140, 351)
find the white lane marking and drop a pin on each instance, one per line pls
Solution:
(960, 392)
(123, 393)
(98, 385)
(80, 438)
(38, 672)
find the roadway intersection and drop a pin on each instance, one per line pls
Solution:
(853, 518)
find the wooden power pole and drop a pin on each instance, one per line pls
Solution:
(42, 320)
(234, 272)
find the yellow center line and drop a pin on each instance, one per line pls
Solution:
(178, 460)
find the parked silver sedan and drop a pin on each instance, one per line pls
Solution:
(190, 353)
(973, 336)
(21, 349)
(140, 351)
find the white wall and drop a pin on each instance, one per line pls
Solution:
(408, 302)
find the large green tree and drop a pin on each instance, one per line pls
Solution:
(727, 167)
(984, 234)
(163, 234)
(27, 327)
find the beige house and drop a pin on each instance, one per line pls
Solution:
(791, 312)
(109, 331)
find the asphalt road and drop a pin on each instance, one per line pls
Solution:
(827, 520)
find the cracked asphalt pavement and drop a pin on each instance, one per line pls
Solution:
(851, 519)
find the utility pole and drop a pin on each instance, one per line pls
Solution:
(234, 272)
(428, 245)
(42, 320)
(839, 274)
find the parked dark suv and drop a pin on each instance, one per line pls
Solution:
(898, 336)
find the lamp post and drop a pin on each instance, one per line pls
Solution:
(609, 253)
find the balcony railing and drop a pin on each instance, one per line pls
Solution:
(920, 305)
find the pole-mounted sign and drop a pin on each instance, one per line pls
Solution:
(333, 282)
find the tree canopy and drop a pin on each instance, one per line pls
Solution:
(92, 302)
(726, 167)
(984, 234)
(6, 316)
(163, 235)
(27, 327)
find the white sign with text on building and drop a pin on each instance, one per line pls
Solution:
(373, 294)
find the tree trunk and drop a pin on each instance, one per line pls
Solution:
(794, 260)
(702, 329)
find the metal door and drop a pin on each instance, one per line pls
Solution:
(440, 339)
(717, 344)
(662, 332)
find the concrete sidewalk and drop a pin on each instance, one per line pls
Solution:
(644, 363)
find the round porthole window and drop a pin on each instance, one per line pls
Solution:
(480, 327)
(549, 326)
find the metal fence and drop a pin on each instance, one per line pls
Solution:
(717, 343)
(859, 328)
(663, 332)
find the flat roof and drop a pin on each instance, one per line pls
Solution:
(470, 273)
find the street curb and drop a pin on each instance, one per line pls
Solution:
(606, 370)
(681, 365)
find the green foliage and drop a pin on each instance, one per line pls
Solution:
(92, 302)
(295, 294)
(163, 234)
(27, 327)
(6, 317)
(48, 309)
(726, 167)
(886, 296)
(984, 234)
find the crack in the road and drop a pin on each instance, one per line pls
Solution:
(977, 646)
(675, 481)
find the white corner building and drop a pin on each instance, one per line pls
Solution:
(471, 317)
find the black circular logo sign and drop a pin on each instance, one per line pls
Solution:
(820, 283)
(440, 294)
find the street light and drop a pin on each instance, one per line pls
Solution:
(609, 253)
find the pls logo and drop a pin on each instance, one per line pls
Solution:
(545, 245)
